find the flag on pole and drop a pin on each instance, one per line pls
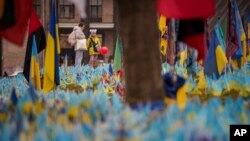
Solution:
(51, 64)
(7, 14)
(34, 68)
(183, 53)
(236, 37)
(232, 38)
(219, 33)
(216, 59)
(117, 59)
(162, 24)
(16, 33)
(35, 29)
(164, 32)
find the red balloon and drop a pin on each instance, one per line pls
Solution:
(104, 50)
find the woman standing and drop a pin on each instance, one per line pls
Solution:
(93, 45)
(79, 35)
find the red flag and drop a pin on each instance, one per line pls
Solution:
(17, 32)
(186, 9)
(192, 32)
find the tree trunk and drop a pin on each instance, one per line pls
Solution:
(140, 36)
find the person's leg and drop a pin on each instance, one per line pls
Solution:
(85, 57)
(77, 58)
(91, 60)
(95, 60)
(80, 57)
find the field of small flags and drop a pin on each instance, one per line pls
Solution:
(88, 106)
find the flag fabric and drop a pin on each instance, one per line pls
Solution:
(183, 54)
(35, 29)
(243, 41)
(220, 35)
(239, 30)
(192, 32)
(34, 68)
(51, 64)
(81, 6)
(162, 24)
(13, 97)
(110, 70)
(248, 28)
(16, 33)
(232, 41)
(117, 59)
(186, 9)
(164, 34)
(202, 83)
(236, 37)
(175, 89)
(216, 59)
(7, 14)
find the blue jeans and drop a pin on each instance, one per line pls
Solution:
(78, 57)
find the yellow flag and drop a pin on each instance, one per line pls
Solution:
(163, 45)
(235, 64)
(51, 63)
(162, 24)
(34, 66)
(202, 84)
(163, 28)
(244, 48)
(221, 59)
(182, 97)
(183, 56)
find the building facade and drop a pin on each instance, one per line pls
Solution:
(101, 16)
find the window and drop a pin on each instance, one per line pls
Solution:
(66, 9)
(95, 10)
(37, 6)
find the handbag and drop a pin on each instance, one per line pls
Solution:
(81, 44)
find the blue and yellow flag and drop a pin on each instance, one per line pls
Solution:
(216, 58)
(241, 36)
(51, 64)
(34, 68)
